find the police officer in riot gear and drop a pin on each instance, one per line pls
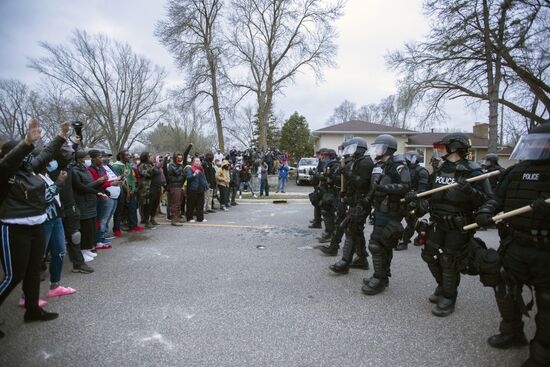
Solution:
(341, 222)
(419, 183)
(525, 244)
(450, 210)
(390, 180)
(330, 187)
(316, 195)
(356, 190)
(490, 164)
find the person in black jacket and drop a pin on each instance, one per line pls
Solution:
(210, 174)
(86, 190)
(69, 211)
(22, 216)
(175, 180)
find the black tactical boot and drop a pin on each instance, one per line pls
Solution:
(325, 238)
(374, 286)
(38, 314)
(360, 263)
(331, 250)
(342, 266)
(505, 341)
(402, 246)
(436, 296)
(315, 225)
(444, 307)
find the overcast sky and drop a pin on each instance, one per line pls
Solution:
(367, 31)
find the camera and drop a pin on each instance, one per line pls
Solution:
(77, 126)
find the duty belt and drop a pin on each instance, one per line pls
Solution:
(539, 239)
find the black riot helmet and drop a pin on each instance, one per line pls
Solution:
(535, 146)
(356, 147)
(384, 144)
(491, 159)
(413, 157)
(453, 142)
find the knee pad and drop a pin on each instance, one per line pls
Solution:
(376, 248)
(76, 237)
(447, 261)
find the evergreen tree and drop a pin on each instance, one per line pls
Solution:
(295, 137)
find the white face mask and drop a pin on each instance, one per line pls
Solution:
(88, 162)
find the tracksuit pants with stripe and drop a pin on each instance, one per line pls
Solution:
(21, 252)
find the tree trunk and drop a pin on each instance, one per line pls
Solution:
(493, 81)
(262, 121)
(217, 114)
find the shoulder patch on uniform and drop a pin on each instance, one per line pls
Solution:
(377, 170)
(400, 168)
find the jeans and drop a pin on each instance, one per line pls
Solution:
(54, 241)
(282, 183)
(195, 205)
(105, 210)
(132, 211)
(224, 195)
(264, 187)
(246, 184)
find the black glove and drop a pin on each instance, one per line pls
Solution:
(484, 219)
(540, 205)
(411, 196)
(463, 185)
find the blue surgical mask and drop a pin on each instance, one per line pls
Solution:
(88, 162)
(52, 166)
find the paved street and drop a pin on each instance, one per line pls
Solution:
(207, 295)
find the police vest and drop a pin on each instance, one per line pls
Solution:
(385, 173)
(415, 174)
(452, 201)
(526, 182)
(359, 185)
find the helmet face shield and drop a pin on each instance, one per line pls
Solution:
(377, 150)
(411, 157)
(350, 149)
(532, 147)
(441, 149)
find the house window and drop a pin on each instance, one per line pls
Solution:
(348, 137)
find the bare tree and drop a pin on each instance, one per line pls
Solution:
(122, 90)
(192, 33)
(56, 103)
(179, 128)
(18, 104)
(275, 39)
(346, 111)
(243, 127)
(464, 56)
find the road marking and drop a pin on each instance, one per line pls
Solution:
(220, 225)
(225, 225)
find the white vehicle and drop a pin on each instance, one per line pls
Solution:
(306, 169)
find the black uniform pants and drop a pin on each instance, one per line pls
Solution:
(527, 264)
(385, 235)
(443, 251)
(21, 254)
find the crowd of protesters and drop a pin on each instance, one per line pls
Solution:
(62, 199)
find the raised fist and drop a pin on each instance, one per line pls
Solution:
(34, 133)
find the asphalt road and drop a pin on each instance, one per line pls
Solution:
(248, 289)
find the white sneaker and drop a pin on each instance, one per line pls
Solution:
(204, 221)
(255, 196)
(225, 209)
(90, 253)
(192, 221)
(87, 258)
(240, 196)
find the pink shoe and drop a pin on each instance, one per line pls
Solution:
(102, 246)
(60, 291)
(41, 302)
